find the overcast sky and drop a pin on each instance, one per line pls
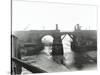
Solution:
(37, 16)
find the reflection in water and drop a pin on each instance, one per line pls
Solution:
(45, 61)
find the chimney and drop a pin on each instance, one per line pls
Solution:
(57, 27)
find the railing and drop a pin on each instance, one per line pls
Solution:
(29, 67)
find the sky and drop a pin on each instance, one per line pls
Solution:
(28, 15)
